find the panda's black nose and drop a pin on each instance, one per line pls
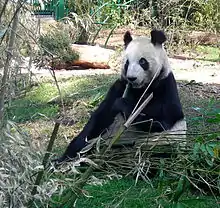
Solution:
(132, 79)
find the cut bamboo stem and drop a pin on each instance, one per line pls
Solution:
(155, 75)
(45, 159)
(137, 112)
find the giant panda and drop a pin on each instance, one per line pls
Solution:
(143, 59)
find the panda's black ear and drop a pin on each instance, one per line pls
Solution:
(158, 37)
(127, 38)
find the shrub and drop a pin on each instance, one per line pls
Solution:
(57, 43)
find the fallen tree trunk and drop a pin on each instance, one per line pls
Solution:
(79, 64)
(90, 57)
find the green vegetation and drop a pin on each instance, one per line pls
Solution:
(208, 53)
(184, 13)
(24, 110)
(34, 104)
(56, 43)
(43, 100)
(35, 108)
(126, 194)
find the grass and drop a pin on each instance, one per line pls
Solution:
(34, 105)
(202, 52)
(124, 193)
(24, 110)
(38, 104)
(210, 53)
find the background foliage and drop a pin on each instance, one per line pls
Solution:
(201, 14)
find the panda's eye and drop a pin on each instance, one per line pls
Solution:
(144, 63)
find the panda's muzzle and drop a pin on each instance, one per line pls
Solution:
(134, 82)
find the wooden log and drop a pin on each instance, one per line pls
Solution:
(175, 137)
(79, 64)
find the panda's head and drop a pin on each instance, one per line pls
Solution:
(143, 57)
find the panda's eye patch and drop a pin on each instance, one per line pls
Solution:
(144, 63)
(126, 67)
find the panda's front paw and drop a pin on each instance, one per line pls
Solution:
(124, 106)
(75, 146)
(60, 160)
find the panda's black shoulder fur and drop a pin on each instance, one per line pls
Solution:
(165, 108)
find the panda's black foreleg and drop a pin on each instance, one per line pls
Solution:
(124, 106)
(99, 121)
(147, 120)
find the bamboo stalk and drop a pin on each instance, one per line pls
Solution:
(145, 91)
(9, 52)
(45, 159)
(137, 112)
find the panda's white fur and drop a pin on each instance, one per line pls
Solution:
(142, 47)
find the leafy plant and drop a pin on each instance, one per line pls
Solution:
(82, 25)
(79, 21)
(114, 12)
(19, 163)
(57, 42)
(96, 100)
(205, 14)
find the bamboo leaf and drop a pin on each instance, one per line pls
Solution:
(2, 32)
(203, 148)
(180, 188)
(210, 150)
(180, 205)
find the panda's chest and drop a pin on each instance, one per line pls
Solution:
(134, 94)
